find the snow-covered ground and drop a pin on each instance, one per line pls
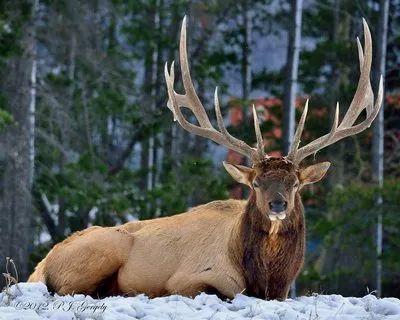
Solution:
(32, 301)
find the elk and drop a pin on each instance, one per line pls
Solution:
(223, 247)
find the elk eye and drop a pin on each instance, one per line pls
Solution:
(255, 184)
(296, 185)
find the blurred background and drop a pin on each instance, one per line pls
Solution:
(86, 137)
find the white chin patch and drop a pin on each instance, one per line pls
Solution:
(279, 216)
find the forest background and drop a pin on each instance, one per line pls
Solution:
(86, 137)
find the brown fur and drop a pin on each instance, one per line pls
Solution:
(224, 247)
(272, 253)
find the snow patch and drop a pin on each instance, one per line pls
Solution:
(32, 301)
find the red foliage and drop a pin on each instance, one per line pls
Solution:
(393, 101)
(263, 107)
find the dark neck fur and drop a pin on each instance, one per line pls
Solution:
(254, 239)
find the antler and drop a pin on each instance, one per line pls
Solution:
(363, 99)
(191, 100)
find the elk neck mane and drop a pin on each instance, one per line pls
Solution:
(253, 245)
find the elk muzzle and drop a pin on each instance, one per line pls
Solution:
(277, 209)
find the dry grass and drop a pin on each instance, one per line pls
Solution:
(10, 279)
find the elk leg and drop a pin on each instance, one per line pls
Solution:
(87, 261)
(193, 284)
(278, 289)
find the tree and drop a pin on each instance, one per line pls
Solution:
(292, 66)
(18, 142)
(378, 133)
(99, 107)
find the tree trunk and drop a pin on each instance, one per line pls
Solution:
(153, 68)
(246, 32)
(150, 65)
(330, 255)
(378, 133)
(19, 146)
(289, 100)
(170, 132)
(292, 67)
(158, 93)
(340, 32)
(246, 53)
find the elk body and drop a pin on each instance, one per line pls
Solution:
(225, 247)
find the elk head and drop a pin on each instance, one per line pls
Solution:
(275, 181)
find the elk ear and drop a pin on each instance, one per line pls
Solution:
(313, 173)
(240, 173)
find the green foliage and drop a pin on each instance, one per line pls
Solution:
(5, 118)
(348, 226)
(194, 181)
(85, 185)
(13, 15)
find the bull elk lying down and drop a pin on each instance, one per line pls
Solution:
(224, 247)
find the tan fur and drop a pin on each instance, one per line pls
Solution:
(81, 262)
(223, 247)
(155, 257)
(275, 226)
(38, 274)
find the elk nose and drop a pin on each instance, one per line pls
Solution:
(278, 206)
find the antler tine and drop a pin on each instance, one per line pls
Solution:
(363, 99)
(220, 120)
(256, 155)
(298, 133)
(360, 53)
(191, 94)
(170, 80)
(175, 100)
(336, 119)
(260, 142)
(191, 100)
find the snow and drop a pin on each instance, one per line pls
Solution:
(32, 301)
